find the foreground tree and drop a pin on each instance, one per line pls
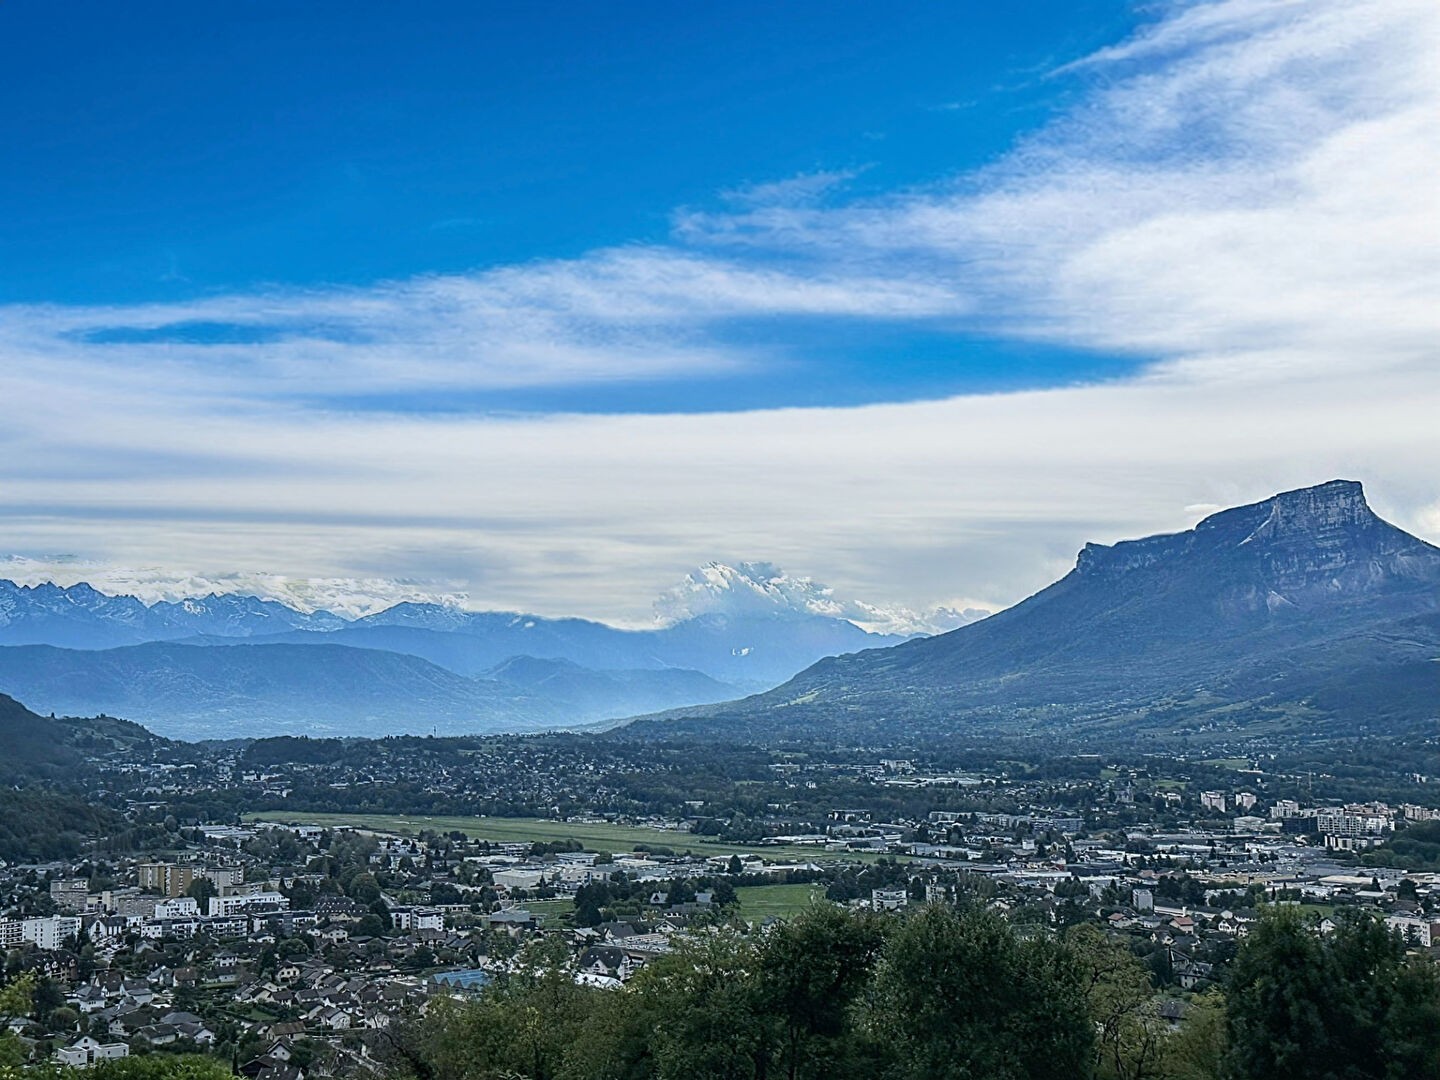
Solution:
(709, 1017)
(1197, 1051)
(1130, 1034)
(812, 970)
(521, 1027)
(1352, 1006)
(959, 997)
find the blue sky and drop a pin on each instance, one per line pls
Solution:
(155, 152)
(543, 305)
(162, 154)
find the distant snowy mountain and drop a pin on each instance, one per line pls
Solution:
(349, 598)
(751, 589)
(723, 632)
(81, 617)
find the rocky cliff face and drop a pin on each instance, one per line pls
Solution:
(1310, 547)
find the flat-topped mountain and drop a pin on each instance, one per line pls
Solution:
(1303, 609)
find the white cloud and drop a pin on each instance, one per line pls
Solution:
(763, 589)
(1245, 200)
(617, 315)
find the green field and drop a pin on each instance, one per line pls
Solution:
(593, 837)
(759, 902)
(552, 913)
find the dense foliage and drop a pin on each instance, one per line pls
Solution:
(945, 995)
(1348, 1006)
(147, 1067)
(38, 825)
(1416, 847)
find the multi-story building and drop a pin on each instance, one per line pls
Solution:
(248, 902)
(406, 918)
(1415, 930)
(50, 933)
(889, 899)
(173, 879)
(70, 896)
(180, 907)
(128, 902)
(1353, 821)
(167, 879)
(1213, 800)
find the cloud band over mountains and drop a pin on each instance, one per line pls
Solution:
(1242, 202)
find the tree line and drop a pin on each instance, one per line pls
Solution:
(944, 994)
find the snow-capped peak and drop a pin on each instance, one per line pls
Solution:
(346, 598)
(763, 589)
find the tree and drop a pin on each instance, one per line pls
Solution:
(523, 1026)
(46, 996)
(723, 894)
(1351, 1006)
(958, 996)
(16, 1001)
(202, 889)
(710, 1023)
(812, 969)
(64, 1019)
(1130, 1034)
(682, 891)
(1197, 1050)
(160, 1067)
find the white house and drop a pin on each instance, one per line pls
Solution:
(86, 1052)
(181, 907)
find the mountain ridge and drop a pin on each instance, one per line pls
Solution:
(757, 642)
(248, 689)
(1256, 608)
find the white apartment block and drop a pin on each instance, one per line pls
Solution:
(1418, 931)
(239, 905)
(889, 899)
(50, 933)
(1353, 821)
(182, 907)
(405, 918)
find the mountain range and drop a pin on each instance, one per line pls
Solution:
(1304, 613)
(232, 665)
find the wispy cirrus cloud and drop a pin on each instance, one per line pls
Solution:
(1248, 176)
(1243, 201)
(617, 315)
